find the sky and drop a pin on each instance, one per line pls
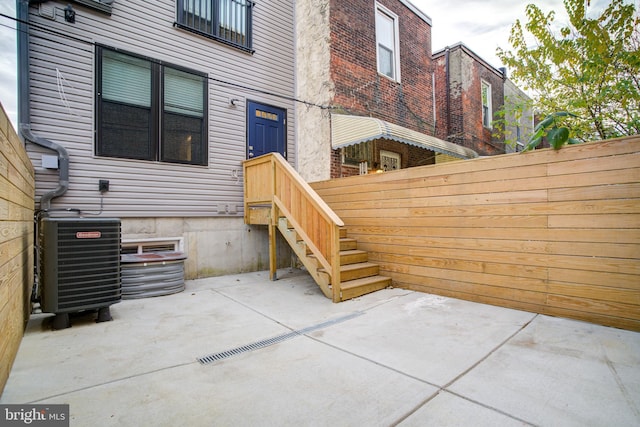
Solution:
(8, 60)
(481, 25)
(484, 25)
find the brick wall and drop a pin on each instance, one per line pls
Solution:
(460, 119)
(442, 118)
(361, 90)
(336, 164)
(476, 136)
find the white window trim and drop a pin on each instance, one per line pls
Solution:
(390, 154)
(396, 36)
(490, 107)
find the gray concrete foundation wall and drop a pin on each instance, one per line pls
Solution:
(214, 246)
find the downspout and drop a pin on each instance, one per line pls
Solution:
(448, 91)
(24, 111)
(433, 101)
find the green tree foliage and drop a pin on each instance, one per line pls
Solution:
(552, 128)
(590, 67)
(510, 115)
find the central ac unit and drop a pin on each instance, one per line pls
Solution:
(79, 266)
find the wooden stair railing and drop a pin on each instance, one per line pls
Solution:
(273, 189)
(275, 195)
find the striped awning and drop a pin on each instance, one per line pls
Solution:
(350, 130)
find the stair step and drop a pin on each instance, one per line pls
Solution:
(346, 257)
(353, 257)
(345, 245)
(348, 244)
(357, 287)
(356, 271)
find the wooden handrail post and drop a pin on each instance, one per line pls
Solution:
(246, 193)
(335, 263)
(273, 221)
(273, 271)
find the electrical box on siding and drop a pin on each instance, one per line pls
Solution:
(49, 161)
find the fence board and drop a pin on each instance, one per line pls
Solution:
(555, 232)
(612, 235)
(17, 195)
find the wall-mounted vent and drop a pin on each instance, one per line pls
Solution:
(79, 262)
(148, 248)
(152, 244)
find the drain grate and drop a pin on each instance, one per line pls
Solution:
(211, 358)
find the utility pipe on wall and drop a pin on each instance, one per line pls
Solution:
(24, 108)
(448, 92)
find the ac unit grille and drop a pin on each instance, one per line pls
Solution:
(80, 263)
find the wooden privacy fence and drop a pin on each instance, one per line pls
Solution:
(552, 232)
(17, 193)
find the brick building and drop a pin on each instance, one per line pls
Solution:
(372, 88)
(469, 92)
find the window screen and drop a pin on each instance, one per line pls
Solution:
(386, 38)
(147, 110)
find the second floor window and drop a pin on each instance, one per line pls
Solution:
(228, 21)
(486, 104)
(387, 43)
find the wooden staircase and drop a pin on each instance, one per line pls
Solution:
(358, 276)
(276, 195)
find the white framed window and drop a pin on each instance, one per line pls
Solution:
(487, 114)
(387, 41)
(390, 161)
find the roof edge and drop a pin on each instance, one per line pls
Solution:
(386, 131)
(417, 11)
(470, 52)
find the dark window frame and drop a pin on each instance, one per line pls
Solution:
(207, 29)
(157, 112)
(95, 5)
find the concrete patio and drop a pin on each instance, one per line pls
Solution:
(394, 357)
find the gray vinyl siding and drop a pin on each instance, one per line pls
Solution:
(145, 188)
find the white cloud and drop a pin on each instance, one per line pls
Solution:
(8, 61)
(485, 25)
(481, 25)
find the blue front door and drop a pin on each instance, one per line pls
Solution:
(266, 130)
